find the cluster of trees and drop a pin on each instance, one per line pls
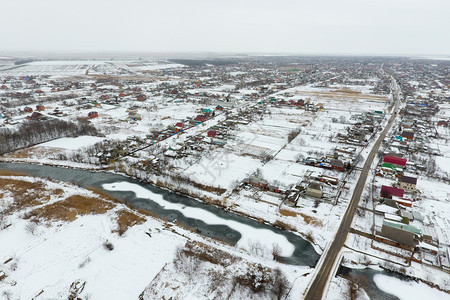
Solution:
(35, 132)
(293, 134)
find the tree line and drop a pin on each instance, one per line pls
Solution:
(32, 132)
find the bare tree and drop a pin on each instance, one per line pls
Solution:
(31, 227)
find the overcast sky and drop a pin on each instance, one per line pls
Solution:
(387, 27)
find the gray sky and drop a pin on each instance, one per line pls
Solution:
(268, 26)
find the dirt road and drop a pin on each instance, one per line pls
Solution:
(316, 290)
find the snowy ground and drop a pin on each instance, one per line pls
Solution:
(80, 263)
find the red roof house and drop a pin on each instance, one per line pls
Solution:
(40, 107)
(397, 161)
(141, 97)
(200, 118)
(388, 192)
(35, 116)
(442, 123)
(212, 133)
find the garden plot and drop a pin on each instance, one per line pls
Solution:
(341, 97)
(222, 168)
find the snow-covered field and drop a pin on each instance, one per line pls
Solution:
(72, 143)
(255, 146)
(88, 258)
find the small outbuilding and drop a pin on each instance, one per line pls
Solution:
(92, 114)
(314, 189)
(395, 161)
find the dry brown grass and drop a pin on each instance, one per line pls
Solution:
(4, 172)
(102, 193)
(306, 218)
(309, 236)
(312, 220)
(288, 213)
(126, 219)
(57, 192)
(284, 226)
(24, 193)
(346, 90)
(37, 152)
(30, 194)
(346, 95)
(71, 207)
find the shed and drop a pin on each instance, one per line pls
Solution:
(402, 201)
(417, 216)
(92, 114)
(314, 189)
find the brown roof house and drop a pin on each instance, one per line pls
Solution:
(407, 183)
(408, 135)
(401, 233)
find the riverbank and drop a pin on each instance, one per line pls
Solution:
(275, 218)
(88, 256)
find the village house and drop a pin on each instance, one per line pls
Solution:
(402, 233)
(407, 135)
(388, 192)
(407, 183)
(212, 133)
(36, 116)
(200, 118)
(393, 161)
(40, 107)
(256, 182)
(442, 123)
(141, 97)
(337, 164)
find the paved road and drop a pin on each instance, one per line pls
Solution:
(316, 290)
